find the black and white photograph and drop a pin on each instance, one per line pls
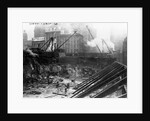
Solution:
(74, 60)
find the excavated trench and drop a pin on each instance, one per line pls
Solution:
(71, 80)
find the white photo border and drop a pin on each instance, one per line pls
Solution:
(18, 104)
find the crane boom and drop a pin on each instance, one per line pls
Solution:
(93, 38)
(44, 44)
(107, 46)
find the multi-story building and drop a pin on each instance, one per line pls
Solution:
(124, 51)
(25, 36)
(37, 44)
(26, 43)
(72, 46)
(121, 55)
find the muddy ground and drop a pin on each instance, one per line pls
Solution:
(59, 80)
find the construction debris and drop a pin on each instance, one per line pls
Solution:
(103, 83)
(63, 81)
(61, 65)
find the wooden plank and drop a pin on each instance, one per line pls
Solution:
(59, 94)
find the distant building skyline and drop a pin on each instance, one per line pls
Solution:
(112, 33)
(115, 29)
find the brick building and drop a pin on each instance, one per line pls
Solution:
(72, 46)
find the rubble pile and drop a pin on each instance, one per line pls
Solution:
(74, 81)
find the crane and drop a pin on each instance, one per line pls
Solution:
(110, 51)
(93, 38)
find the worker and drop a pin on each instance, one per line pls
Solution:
(73, 84)
(57, 86)
(50, 80)
(67, 86)
(52, 43)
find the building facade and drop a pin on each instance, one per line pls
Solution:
(25, 36)
(124, 51)
(37, 44)
(72, 46)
